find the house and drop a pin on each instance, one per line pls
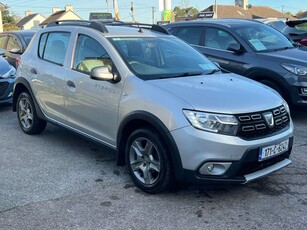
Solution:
(57, 14)
(250, 12)
(30, 21)
(302, 15)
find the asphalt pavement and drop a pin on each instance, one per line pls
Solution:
(58, 180)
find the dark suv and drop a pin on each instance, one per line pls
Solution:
(251, 49)
(15, 43)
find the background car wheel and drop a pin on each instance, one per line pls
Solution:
(148, 161)
(27, 117)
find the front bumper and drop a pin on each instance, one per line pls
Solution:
(201, 147)
(6, 90)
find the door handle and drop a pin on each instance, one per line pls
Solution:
(71, 84)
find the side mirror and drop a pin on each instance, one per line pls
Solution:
(15, 51)
(102, 73)
(235, 47)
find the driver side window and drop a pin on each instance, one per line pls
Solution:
(90, 54)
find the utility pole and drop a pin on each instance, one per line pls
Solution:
(108, 7)
(153, 14)
(215, 9)
(132, 12)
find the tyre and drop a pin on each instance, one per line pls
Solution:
(28, 120)
(273, 86)
(148, 161)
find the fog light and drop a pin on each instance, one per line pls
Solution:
(304, 90)
(11, 94)
(214, 168)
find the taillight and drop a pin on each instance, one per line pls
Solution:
(18, 61)
(303, 42)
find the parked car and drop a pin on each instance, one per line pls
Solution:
(251, 49)
(297, 31)
(7, 77)
(275, 23)
(15, 43)
(166, 109)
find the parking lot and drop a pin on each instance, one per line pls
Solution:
(58, 180)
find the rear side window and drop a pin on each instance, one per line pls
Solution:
(13, 43)
(190, 34)
(53, 46)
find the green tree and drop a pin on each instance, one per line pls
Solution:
(9, 21)
(185, 12)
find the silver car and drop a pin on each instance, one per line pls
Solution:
(168, 111)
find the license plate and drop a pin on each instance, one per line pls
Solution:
(273, 150)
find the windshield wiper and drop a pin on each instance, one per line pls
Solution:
(213, 71)
(283, 48)
(185, 74)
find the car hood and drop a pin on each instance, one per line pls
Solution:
(4, 66)
(292, 55)
(221, 93)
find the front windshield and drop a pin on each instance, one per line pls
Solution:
(152, 58)
(263, 38)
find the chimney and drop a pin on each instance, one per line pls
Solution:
(242, 3)
(69, 7)
(27, 13)
(55, 9)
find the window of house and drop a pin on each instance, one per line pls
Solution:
(89, 54)
(53, 46)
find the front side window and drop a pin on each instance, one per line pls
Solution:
(90, 54)
(13, 43)
(53, 46)
(263, 38)
(218, 39)
(190, 34)
(153, 58)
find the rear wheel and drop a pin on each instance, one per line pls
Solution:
(28, 120)
(148, 161)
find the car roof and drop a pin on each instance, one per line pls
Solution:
(226, 22)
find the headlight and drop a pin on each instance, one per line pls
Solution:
(217, 123)
(11, 73)
(285, 104)
(296, 69)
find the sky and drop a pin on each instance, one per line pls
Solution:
(142, 8)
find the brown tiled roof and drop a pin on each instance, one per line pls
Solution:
(229, 11)
(56, 16)
(233, 11)
(302, 15)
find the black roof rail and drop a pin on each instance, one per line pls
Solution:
(92, 24)
(143, 26)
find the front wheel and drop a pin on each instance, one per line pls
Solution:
(148, 161)
(28, 120)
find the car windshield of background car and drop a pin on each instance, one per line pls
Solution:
(264, 38)
(153, 58)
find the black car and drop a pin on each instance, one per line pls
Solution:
(251, 49)
(297, 31)
(15, 43)
(7, 78)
